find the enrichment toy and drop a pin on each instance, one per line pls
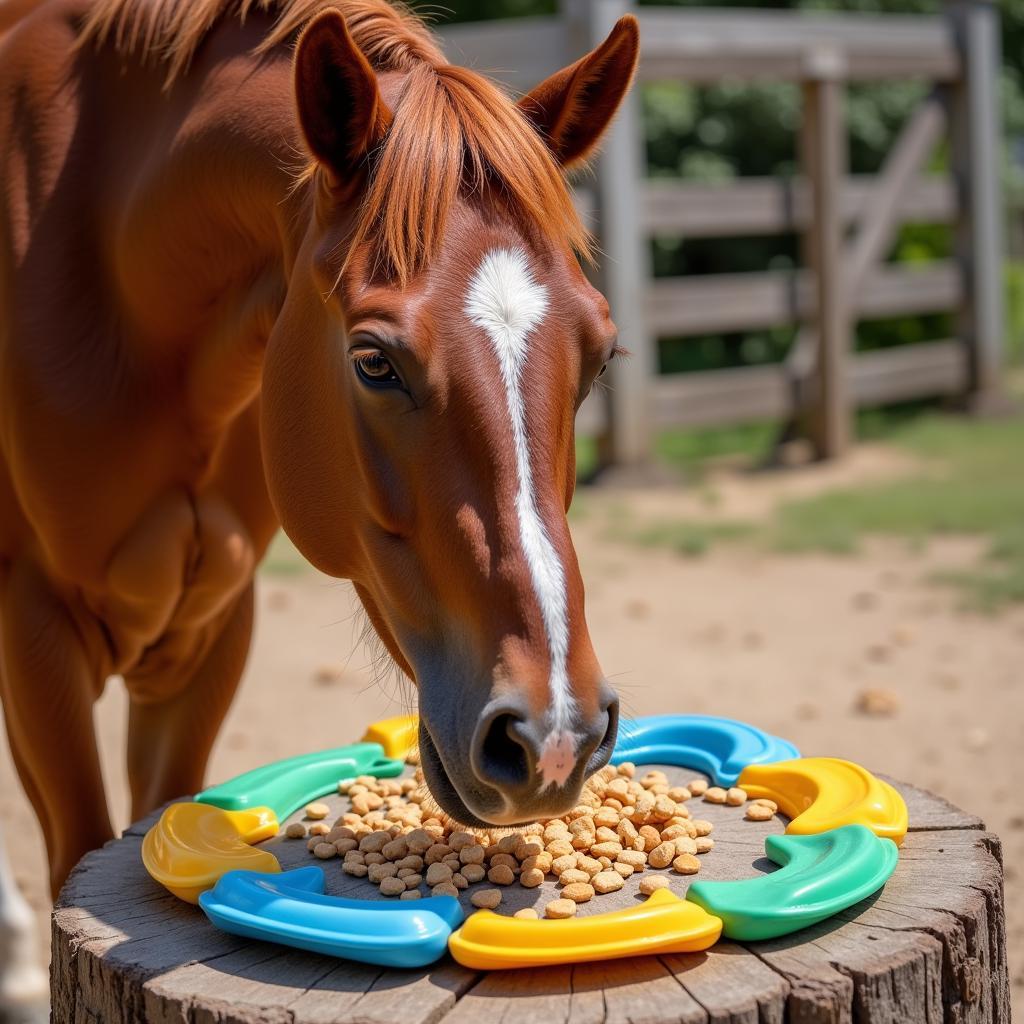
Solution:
(287, 785)
(192, 845)
(819, 876)
(292, 908)
(840, 847)
(664, 923)
(396, 735)
(820, 793)
(720, 747)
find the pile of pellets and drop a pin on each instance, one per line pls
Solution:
(395, 837)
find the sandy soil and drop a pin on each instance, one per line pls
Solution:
(787, 642)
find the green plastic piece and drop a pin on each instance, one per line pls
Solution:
(287, 785)
(818, 876)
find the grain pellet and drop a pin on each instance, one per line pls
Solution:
(686, 864)
(758, 812)
(501, 874)
(392, 887)
(578, 892)
(410, 894)
(354, 869)
(473, 873)
(527, 914)
(296, 830)
(716, 795)
(531, 878)
(765, 802)
(486, 899)
(736, 797)
(315, 812)
(324, 851)
(704, 828)
(607, 881)
(652, 883)
(560, 909)
(662, 855)
(444, 889)
(705, 844)
(319, 828)
(438, 873)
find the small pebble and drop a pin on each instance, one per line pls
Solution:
(410, 894)
(296, 830)
(444, 889)
(560, 909)
(501, 874)
(325, 851)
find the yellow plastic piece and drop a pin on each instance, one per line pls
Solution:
(821, 793)
(398, 736)
(663, 924)
(193, 844)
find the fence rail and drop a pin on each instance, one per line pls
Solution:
(847, 223)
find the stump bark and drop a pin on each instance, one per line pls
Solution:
(930, 947)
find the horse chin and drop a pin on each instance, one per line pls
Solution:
(443, 790)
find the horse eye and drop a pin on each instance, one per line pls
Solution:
(374, 369)
(601, 371)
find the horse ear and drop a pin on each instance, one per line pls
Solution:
(340, 108)
(573, 107)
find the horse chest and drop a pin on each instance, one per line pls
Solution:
(169, 583)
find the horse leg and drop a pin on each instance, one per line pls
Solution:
(49, 685)
(169, 742)
(22, 978)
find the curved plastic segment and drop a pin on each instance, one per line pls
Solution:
(720, 747)
(398, 736)
(291, 908)
(287, 785)
(819, 876)
(193, 845)
(663, 924)
(822, 793)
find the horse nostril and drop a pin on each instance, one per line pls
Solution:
(604, 749)
(502, 759)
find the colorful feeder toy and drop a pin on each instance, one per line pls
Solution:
(840, 847)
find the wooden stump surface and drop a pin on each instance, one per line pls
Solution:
(930, 947)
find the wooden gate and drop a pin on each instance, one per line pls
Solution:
(848, 223)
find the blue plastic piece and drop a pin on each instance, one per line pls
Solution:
(291, 908)
(820, 875)
(720, 747)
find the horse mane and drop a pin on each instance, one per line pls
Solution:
(454, 132)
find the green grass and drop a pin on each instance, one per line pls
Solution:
(690, 539)
(972, 484)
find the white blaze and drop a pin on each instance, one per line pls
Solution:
(506, 301)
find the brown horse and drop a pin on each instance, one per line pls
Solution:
(331, 285)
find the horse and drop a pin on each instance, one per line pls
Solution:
(279, 264)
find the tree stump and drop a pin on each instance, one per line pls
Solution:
(930, 947)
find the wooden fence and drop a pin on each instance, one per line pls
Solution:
(848, 224)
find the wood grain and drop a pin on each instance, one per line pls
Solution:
(930, 947)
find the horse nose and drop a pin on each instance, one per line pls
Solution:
(512, 751)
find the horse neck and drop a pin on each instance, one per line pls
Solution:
(210, 233)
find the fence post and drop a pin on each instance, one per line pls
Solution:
(624, 247)
(975, 133)
(823, 144)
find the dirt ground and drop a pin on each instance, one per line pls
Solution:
(786, 642)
